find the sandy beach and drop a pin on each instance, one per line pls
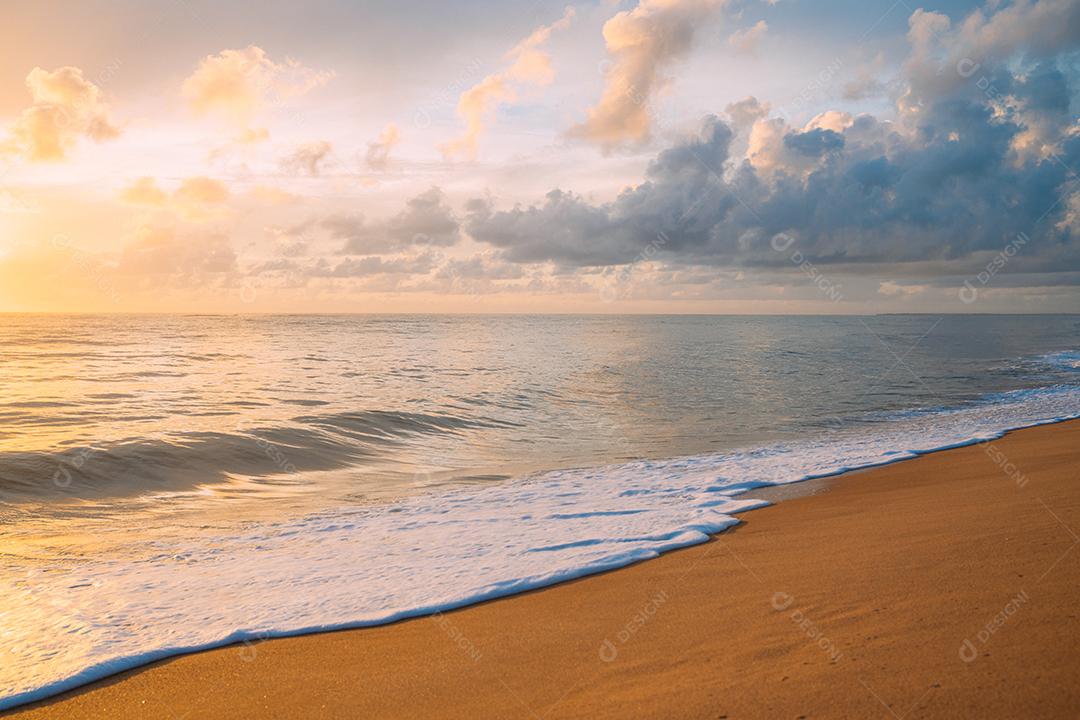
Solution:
(939, 587)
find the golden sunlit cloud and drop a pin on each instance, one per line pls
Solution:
(747, 40)
(530, 66)
(237, 86)
(250, 136)
(835, 120)
(199, 198)
(378, 152)
(65, 108)
(202, 191)
(768, 151)
(641, 42)
(196, 199)
(475, 105)
(144, 191)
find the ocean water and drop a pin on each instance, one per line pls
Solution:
(169, 483)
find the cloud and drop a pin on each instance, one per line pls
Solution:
(159, 251)
(403, 265)
(480, 266)
(420, 264)
(201, 191)
(568, 230)
(939, 191)
(814, 143)
(378, 152)
(1041, 99)
(746, 112)
(951, 198)
(307, 158)
(200, 198)
(274, 196)
(426, 220)
(288, 242)
(66, 107)
(196, 198)
(892, 289)
(238, 86)
(144, 191)
(867, 81)
(251, 136)
(944, 58)
(530, 65)
(474, 106)
(765, 147)
(835, 120)
(746, 41)
(641, 42)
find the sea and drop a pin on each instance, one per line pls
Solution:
(170, 483)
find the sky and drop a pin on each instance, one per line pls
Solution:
(658, 156)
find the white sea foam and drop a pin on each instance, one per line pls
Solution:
(1065, 359)
(67, 623)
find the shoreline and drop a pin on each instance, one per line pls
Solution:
(809, 492)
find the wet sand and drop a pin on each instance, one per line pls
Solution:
(940, 587)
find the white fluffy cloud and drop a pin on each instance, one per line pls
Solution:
(238, 86)
(66, 107)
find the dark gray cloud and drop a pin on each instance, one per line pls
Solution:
(479, 268)
(376, 265)
(569, 230)
(426, 220)
(978, 154)
(814, 143)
